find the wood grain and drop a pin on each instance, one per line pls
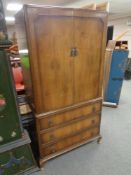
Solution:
(66, 55)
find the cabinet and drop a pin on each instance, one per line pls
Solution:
(64, 86)
(117, 70)
(15, 152)
(10, 127)
(17, 158)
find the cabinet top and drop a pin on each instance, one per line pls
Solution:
(49, 7)
(61, 11)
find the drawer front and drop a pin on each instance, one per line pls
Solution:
(70, 141)
(50, 121)
(70, 129)
(16, 161)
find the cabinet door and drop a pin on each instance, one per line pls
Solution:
(88, 41)
(50, 43)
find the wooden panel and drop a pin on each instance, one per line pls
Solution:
(87, 63)
(65, 143)
(53, 58)
(103, 6)
(54, 120)
(66, 89)
(90, 6)
(55, 66)
(20, 28)
(70, 128)
(108, 59)
(107, 64)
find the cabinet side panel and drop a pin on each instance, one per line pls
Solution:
(23, 49)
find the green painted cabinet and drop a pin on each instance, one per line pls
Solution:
(16, 161)
(17, 158)
(10, 127)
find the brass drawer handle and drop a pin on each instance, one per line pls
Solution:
(73, 52)
(93, 121)
(92, 134)
(50, 123)
(53, 150)
(52, 136)
(93, 109)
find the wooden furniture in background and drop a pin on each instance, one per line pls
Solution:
(108, 59)
(90, 6)
(65, 71)
(103, 6)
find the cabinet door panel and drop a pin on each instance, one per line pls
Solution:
(53, 35)
(88, 43)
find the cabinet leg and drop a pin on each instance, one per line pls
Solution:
(41, 165)
(99, 140)
(42, 169)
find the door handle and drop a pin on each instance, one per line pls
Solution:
(117, 78)
(73, 52)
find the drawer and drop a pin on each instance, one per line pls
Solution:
(69, 142)
(52, 120)
(70, 128)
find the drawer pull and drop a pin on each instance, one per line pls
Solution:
(93, 121)
(50, 123)
(53, 150)
(52, 136)
(93, 109)
(92, 134)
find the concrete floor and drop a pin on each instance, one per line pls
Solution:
(112, 157)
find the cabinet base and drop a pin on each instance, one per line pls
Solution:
(109, 104)
(43, 160)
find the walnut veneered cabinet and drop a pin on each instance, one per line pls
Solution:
(64, 74)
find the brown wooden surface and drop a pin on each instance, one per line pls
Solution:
(108, 59)
(69, 128)
(103, 6)
(21, 34)
(70, 141)
(68, 108)
(107, 64)
(90, 6)
(58, 119)
(67, 88)
(53, 127)
(54, 36)
(51, 34)
(67, 149)
(87, 63)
